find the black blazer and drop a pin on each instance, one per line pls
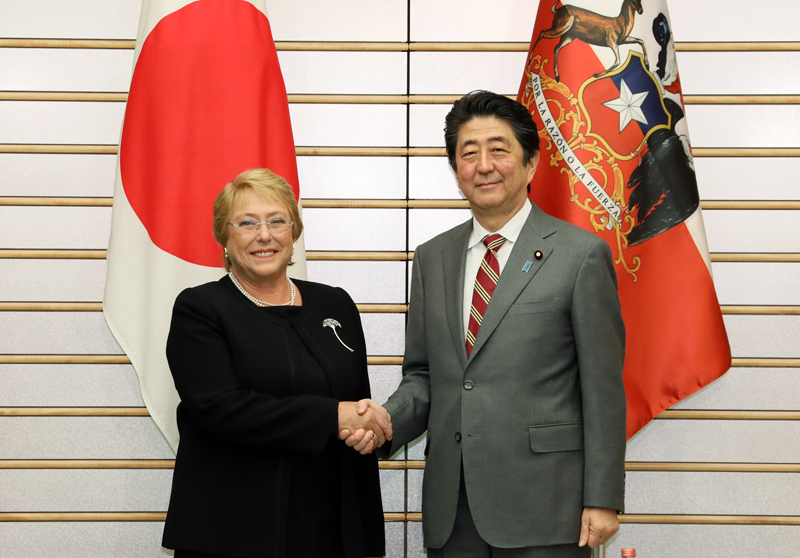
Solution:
(241, 420)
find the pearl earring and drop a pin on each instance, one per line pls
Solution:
(226, 252)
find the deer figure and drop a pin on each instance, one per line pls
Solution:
(572, 23)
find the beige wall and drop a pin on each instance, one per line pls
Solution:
(754, 250)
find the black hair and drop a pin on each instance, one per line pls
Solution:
(485, 103)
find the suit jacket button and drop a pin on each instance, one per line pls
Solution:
(468, 384)
(458, 437)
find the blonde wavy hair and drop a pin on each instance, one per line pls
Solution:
(265, 184)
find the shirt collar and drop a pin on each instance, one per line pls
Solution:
(510, 231)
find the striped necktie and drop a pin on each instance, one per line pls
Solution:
(485, 282)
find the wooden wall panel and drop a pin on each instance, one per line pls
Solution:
(703, 465)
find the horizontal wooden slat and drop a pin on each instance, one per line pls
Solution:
(77, 96)
(753, 310)
(395, 516)
(765, 362)
(314, 255)
(427, 152)
(385, 360)
(131, 44)
(363, 99)
(332, 203)
(439, 99)
(123, 359)
(68, 43)
(637, 466)
(56, 201)
(438, 204)
(354, 151)
(750, 204)
(374, 360)
(753, 257)
(729, 415)
(647, 466)
(355, 203)
(87, 463)
(53, 254)
(354, 99)
(342, 46)
(64, 359)
(145, 464)
(294, 98)
(450, 99)
(392, 465)
(382, 308)
(58, 148)
(750, 310)
(74, 412)
(98, 307)
(746, 151)
(6, 517)
(51, 306)
(101, 254)
(86, 149)
(776, 46)
(290, 45)
(761, 46)
(741, 99)
(387, 151)
(468, 47)
(653, 519)
(142, 412)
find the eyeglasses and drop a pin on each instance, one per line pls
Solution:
(248, 226)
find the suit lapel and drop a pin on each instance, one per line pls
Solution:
(453, 266)
(532, 240)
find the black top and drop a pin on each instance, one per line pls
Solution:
(313, 523)
(259, 471)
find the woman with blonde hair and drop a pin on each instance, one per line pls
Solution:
(268, 370)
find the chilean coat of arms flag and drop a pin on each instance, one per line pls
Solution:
(602, 83)
(207, 101)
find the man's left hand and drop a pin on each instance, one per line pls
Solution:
(597, 526)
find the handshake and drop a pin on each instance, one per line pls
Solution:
(364, 425)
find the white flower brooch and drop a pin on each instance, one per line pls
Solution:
(333, 324)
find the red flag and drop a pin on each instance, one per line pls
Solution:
(601, 81)
(207, 101)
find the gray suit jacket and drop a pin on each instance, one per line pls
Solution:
(537, 413)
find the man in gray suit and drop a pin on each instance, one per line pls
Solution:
(522, 399)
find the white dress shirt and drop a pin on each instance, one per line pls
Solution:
(476, 250)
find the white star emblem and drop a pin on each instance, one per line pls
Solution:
(628, 106)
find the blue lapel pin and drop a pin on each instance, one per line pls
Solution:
(527, 266)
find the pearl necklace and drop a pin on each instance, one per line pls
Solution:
(262, 303)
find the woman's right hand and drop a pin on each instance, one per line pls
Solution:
(364, 426)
